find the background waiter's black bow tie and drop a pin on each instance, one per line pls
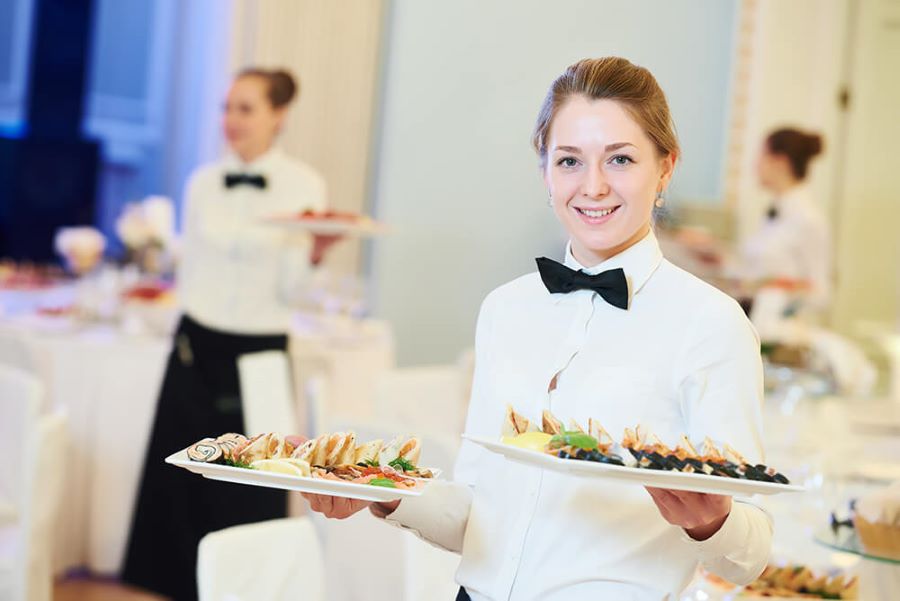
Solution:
(610, 284)
(236, 179)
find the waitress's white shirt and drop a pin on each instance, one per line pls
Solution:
(682, 359)
(795, 245)
(237, 274)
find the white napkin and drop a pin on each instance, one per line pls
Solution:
(266, 392)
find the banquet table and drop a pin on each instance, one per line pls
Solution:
(106, 380)
(839, 449)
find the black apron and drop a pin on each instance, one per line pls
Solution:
(200, 397)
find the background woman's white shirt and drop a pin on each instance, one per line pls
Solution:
(795, 245)
(682, 359)
(236, 273)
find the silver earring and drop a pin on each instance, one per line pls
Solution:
(549, 200)
(660, 199)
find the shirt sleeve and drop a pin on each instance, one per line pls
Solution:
(440, 515)
(721, 389)
(738, 552)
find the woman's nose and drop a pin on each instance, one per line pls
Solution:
(595, 184)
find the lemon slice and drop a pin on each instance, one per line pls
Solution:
(291, 467)
(534, 441)
(300, 464)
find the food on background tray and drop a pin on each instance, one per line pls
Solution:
(333, 215)
(148, 292)
(596, 444)
(877, 521)
(335, 456)
(794, 581)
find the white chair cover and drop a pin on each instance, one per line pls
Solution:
(276, 560)
(30, 487)
(409, 568)
(267, 393)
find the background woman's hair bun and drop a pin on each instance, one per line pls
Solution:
(814, 144)
(798, 146)
(283, 86)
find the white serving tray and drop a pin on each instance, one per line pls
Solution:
(646, 477)
(321, 486)
(327, 227)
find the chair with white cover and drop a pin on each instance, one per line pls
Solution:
(31, 476)
(417, 569)
(422, 399)
(276, 560)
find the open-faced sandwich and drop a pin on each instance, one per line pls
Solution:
(335, 456)
(595, 444)
(799, 582)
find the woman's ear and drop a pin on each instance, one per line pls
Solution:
(667, 168)
(280, 117)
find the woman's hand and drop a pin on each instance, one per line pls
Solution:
(340, 508)
(321, 243)
(699, 514)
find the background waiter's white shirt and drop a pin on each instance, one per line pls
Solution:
(795, 245)
(236, 273)
(682, 359)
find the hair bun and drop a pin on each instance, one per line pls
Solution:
(283, 87)
(814, 144)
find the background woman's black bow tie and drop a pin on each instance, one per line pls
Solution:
(610, 284)
(237, 179)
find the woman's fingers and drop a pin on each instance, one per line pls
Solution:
(337, 508)
(690, 510)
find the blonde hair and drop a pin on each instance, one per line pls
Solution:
(610, 78)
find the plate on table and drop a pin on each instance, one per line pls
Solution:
(646, 477)
(253, 477)
(333, 223)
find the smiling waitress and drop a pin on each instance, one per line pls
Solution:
(640, 341)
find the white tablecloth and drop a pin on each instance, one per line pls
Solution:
(108, 383)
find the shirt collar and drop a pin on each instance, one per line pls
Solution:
(638, 261)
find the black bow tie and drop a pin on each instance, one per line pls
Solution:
(236, 179)
(610, 284)
(772, 213)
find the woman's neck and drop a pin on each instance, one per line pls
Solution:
(782, 187)
(249, 155)
(590, 257)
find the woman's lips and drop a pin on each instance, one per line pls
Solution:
(596, 216)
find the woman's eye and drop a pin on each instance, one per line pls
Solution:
(567, 162)
(621, 160)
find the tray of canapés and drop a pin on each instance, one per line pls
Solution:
(332, 464)
(788, 582)
(637, 458)
(329, 222)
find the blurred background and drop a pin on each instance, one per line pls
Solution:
(417, 114)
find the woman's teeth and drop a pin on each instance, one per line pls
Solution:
(597, 213)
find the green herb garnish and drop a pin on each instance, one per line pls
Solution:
(371, 462)
(402, 464)
(574, 439)
(234, 463)
(385, 482)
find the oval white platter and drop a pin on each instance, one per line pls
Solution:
(655, 478)
(321, 486)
